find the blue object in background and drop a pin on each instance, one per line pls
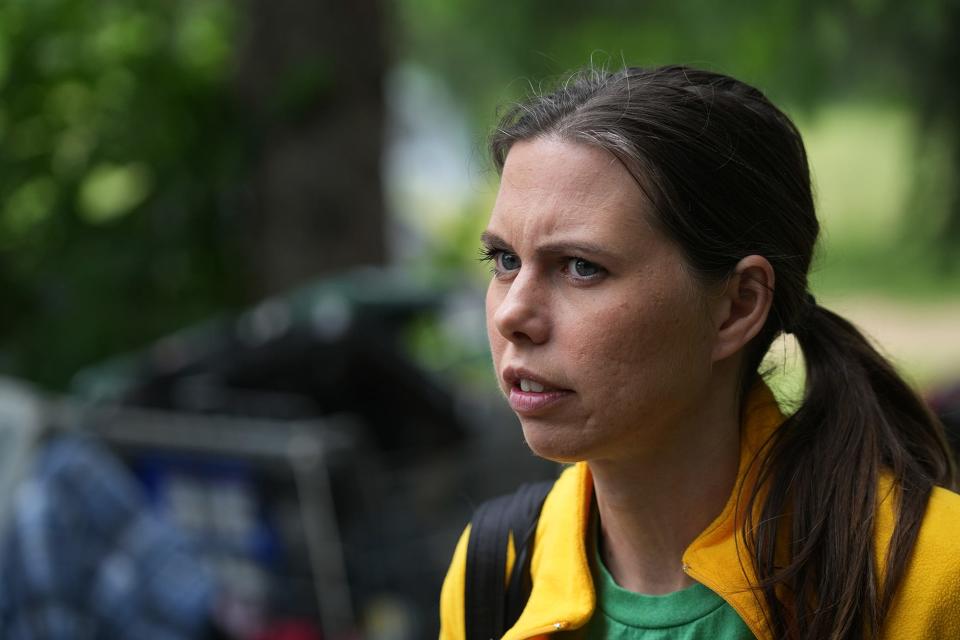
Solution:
(84, 558)
(215, 500)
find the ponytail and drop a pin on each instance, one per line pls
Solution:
(818, 483)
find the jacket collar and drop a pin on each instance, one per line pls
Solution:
(563, 595)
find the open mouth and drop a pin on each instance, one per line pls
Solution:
(530, 394)
(531, 386)
(526, 381)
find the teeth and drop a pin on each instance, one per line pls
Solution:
(530, 385)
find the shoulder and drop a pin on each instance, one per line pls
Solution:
(452, 616)
(941, 524)
(927, 603)
(936, 555)
(451, 594)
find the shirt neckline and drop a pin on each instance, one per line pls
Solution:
(648, 611)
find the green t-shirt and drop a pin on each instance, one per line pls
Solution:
(694, 613)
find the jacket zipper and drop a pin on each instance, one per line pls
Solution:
(545, 630)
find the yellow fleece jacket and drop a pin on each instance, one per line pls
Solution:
(927, 604)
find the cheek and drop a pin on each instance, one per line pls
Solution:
(494, 337)
(636, 346)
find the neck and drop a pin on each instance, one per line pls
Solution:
(655, 502)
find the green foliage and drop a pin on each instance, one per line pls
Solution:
(123, 155)
(118, 153)
(805, 54)
(480, 49)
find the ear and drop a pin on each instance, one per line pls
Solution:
(743, 306)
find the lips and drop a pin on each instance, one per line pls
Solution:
(530, 394)
(517, 376)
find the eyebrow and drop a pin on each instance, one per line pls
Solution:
(491, 239)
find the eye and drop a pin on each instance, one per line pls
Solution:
(501, 261)
(580, 268)
(508, 261)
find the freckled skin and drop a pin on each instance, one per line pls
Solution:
(634, 345)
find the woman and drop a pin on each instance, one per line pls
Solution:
(651, 237)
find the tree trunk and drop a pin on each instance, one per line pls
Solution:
(310, 78)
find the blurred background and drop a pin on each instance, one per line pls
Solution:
(246, 391)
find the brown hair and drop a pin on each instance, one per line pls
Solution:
(727, 176)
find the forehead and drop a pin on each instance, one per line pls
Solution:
(551, 189)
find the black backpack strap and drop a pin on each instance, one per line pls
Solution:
(491, 605)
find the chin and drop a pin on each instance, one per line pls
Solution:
(545, 442)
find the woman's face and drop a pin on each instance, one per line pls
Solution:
(600, 338)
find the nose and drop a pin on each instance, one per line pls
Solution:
(520, 314)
